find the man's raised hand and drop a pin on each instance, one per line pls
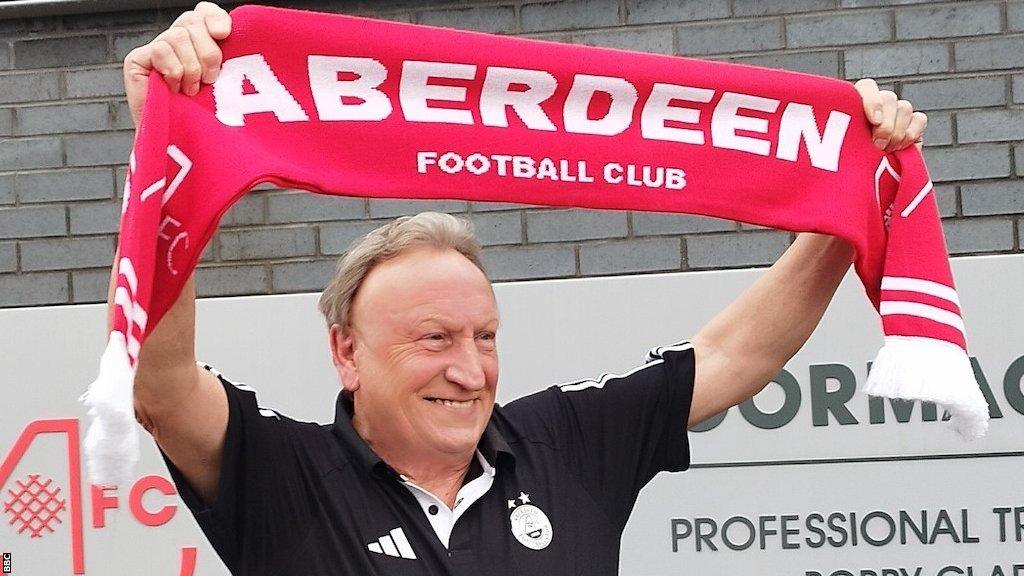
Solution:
(895, 124)
(186, 54)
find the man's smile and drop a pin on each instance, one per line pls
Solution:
(460, 404)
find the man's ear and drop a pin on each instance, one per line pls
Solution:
(343, 355)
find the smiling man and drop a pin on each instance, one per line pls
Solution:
(420, 472)
(423, 374)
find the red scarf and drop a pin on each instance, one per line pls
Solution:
(349, 106)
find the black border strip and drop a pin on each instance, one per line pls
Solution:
(857, 460)
(10, 9)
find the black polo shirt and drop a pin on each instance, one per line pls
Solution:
(299, 498)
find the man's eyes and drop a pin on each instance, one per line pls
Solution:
(440, 337)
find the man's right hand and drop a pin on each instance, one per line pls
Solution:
(186, 54)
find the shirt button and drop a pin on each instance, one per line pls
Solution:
(432, 510)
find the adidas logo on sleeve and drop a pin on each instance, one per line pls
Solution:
(394, 544)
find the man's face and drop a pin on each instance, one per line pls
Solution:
(424, 361)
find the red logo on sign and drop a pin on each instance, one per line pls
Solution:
(33, 505)
(36, 503)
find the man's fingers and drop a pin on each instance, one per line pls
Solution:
(915, 132)
(884, 130)
(137, 65)
(207, 51)
(918, 124)
(185, 54)
(896, 125)
(218, 21)
(206, 24)
(871, 98)
(138, 62)
(165, 61)
(904, 115)
(180, 40)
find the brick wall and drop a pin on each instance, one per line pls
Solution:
(65, 133)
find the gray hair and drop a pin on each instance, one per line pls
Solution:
(382, 244)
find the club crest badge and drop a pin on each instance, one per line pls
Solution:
(530, 525)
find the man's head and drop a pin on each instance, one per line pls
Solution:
(412, 331)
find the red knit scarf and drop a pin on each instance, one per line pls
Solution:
(348, 106)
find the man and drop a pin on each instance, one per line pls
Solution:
(420, 473)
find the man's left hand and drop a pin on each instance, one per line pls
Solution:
(895, 124)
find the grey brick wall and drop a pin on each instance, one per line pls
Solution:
(65, 134)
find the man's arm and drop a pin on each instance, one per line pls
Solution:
(182, 405)
(738, 352)
(744, 346)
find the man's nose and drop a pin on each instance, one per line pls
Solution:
(466, 368)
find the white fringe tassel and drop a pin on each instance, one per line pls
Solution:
(930, 370)
(112, 442)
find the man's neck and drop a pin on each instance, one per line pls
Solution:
(443, 483)
(441, 475)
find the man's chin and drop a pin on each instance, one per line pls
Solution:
(455, 442)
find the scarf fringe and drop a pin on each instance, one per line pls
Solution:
(112, 441)
(930, 370)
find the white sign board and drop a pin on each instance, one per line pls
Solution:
(810, 479)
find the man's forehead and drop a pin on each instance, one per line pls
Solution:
(425, 282)
(426, 316)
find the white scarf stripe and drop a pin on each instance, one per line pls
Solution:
(922, 286)
(894, 308)
(917, 199)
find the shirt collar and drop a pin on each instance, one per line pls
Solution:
(492, 446)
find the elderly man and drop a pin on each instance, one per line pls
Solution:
(420, 473)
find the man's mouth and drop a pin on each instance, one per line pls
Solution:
(451, 403)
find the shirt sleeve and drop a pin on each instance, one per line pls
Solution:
(261, 494)
(618, 431)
